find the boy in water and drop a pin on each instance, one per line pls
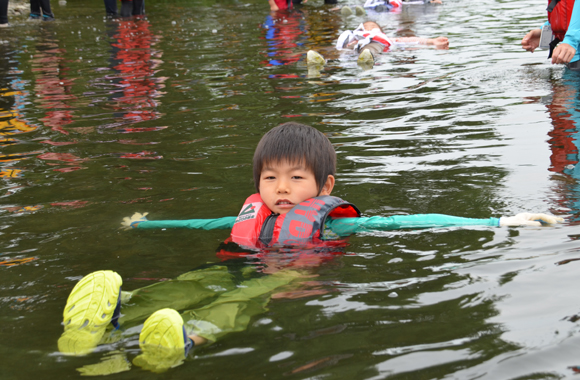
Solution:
(294, 175)
(369, 41)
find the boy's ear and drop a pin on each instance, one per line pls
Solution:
(328, 186)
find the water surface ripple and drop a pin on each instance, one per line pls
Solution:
(100, 119)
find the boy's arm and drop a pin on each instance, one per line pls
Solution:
(566, 51)
(439, 42)
(531, 41)
(349, 226)
(140, 221)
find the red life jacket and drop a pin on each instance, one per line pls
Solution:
(257, 226)
(559, 14)
(380, 39)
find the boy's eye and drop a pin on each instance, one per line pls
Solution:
(269, 177)
(297, 177)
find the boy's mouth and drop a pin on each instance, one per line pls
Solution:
(284, 202)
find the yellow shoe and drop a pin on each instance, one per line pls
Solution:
(93, 303)
(163, 341)
(359, 11)
(366, 60)
(313, 58)
(346, 11)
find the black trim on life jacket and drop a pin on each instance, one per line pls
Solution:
(553, 44)
(267, 231)
(552, 5)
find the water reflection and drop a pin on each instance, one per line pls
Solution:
(134, 90)
(426, 131)
(53, 82)
(14, 125)
(284, 34)
(565, 140)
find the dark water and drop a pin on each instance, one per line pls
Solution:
(101, 119)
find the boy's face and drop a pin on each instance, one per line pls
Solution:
(369, 26)
(284, 185)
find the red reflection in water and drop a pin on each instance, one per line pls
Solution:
(70, 204)
(564, 142)
(283, 32)
(135, 62)
(68, 169)
(133, 130)
(144, 155)
(73, 204)
(52, 85)
(65, 157)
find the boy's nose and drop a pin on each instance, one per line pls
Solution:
(282, 187)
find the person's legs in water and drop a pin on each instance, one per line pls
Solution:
(192, 289)
(138, 7)
(95, 303)
(368, 54)
(111, 8)
(3, 13)
(132, 8)
(35, 9)
(46, 11)
(41, 8)
(164, 346)
(126, 8)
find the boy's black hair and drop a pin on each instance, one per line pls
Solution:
(297, 144)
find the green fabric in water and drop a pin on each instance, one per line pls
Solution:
(232, 311)
(211, 303)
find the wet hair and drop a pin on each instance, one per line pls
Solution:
(370, 25)
(296, 143)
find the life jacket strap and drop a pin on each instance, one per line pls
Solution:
(267, 231)
(552, 5)
(553, 44)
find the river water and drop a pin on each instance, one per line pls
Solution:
(101, 119)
